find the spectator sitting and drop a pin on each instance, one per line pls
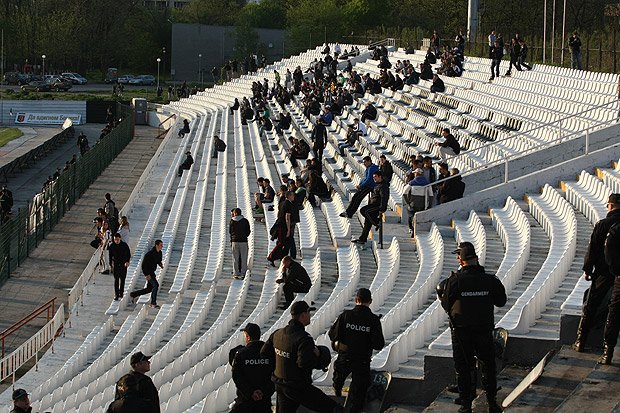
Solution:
(131, 400)
(300, 193)
(449, 146)
(384, 63)
(184, 129)
(235, 106)
(444, 172)
(398, 84)
(386, 169)
(316, 187)
(266, 196)
(350, 140)
(453, 188)
(430, 57)
(426, 70)
(187, 163)
(417, 196)
(295, 279)
(369, 113)
(438, 85)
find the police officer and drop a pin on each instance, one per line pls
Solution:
(251, 373)
(468, 297)
(595, 269)
(295, 356)
(355, 334)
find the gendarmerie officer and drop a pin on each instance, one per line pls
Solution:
(251, 373)
(295, 356)
(595, 269)
(468, 297)
(355, 334)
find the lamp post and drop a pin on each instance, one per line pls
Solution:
(158, 61)
(43, 56)
(200, 68)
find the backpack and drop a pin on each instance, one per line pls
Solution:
(612, 249)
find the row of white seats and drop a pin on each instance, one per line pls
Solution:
(217, 243)
(192, 237)
(430, 250)
(557, 218)
(146, 238)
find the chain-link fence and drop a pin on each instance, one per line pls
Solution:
(27, 227)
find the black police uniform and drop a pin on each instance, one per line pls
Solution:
(468, 298)
(595, 266)
(360, 331)
(251, 372)
(293, 350)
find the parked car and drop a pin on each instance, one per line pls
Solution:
(37, 86)
(143, 80)
(111, 75)
(125, 79)
(16, 78)
(75, 78)
(59, 83)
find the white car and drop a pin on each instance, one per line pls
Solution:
(75, 78)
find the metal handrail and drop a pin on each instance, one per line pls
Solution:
(51, 304)
(508, 157)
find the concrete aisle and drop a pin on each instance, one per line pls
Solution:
(56, 264)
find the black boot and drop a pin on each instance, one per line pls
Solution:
(608, 353)
(582, 335)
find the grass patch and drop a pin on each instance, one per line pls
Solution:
(8, 134)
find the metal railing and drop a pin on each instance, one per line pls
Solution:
(31, 348)
(508, 157)
(47, 308)
(27, 227)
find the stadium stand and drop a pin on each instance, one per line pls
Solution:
(534, 245)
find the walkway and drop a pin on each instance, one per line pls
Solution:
(55, 265)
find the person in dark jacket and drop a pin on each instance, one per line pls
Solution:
(438, 85)
(523, 55)
(377, 205)
(316, 187)
(596, 270)
(369, 112)
(130, 400)
(295, 279)
(235, 106)
(21, 402)
(283, 123)
(496, 53)
(119, 258)
(354, 335)
(453, 188)
(150, 262)
(515, 52)
(449, 147)
(145, 389)
(185, 129)
(386, 169)
(319, 139)
(239, 230)
(251, 373)
(295, 356)
(187, 163)
(469, 297)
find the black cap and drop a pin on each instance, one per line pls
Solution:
(252, 330)
(138, 357)
(466, 251)
(19, 393)
(614, 199)
(363, 294)
(299, 307)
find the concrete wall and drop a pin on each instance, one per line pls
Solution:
(52, 106)
(561, 162)
(216, 44)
